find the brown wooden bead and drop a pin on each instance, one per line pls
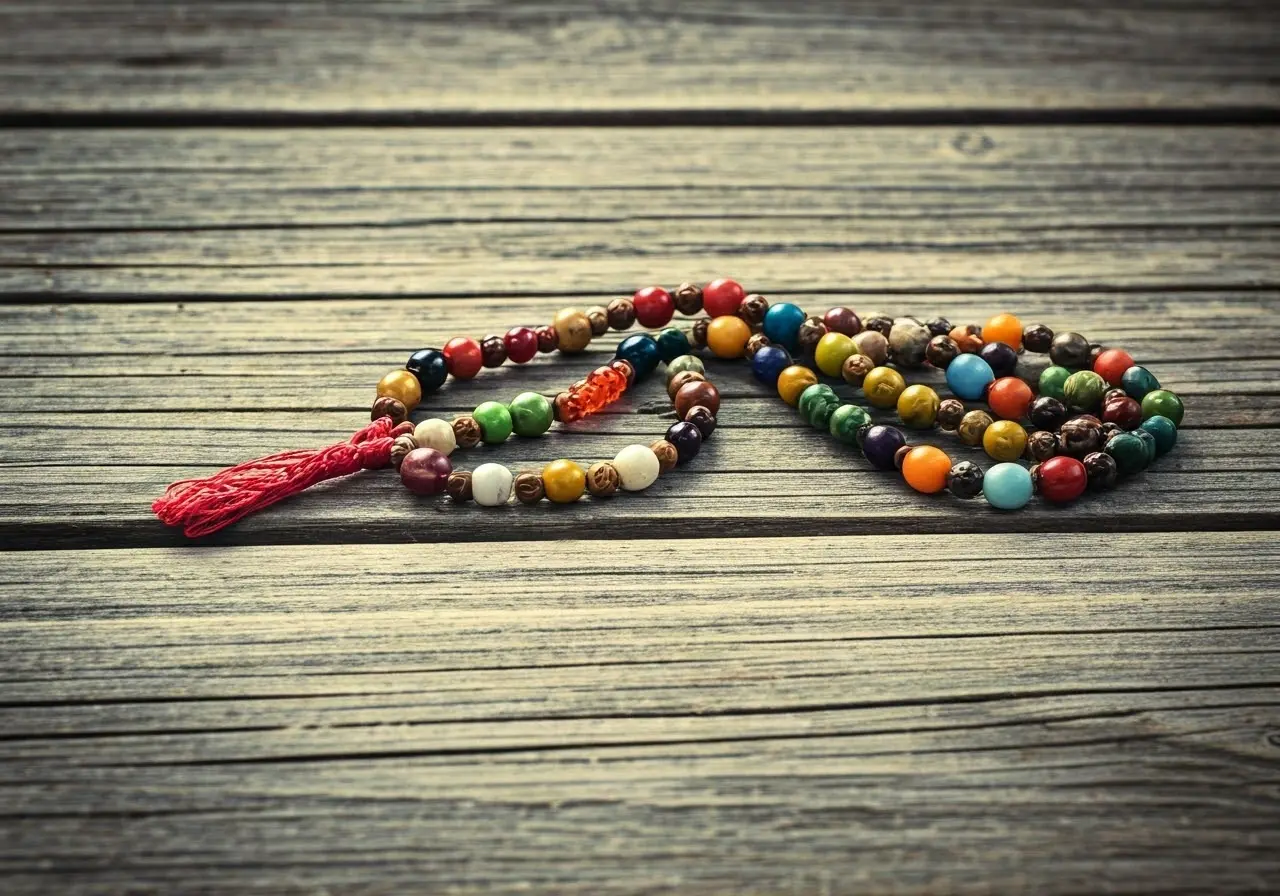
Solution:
(901, 455)
(684, 376)
(811, 332)
(466, 431)
(602, 479)
(1041, 445)
(626, 368)
(941, 351)
(698, 335)
(753, 309)
(559, 405)
(950, 413)
(548, 339)
(599, 319)
(667, 455)
(386, 406)
(528, 488)
(878, 322)
(402, 445)
(754, 344)
(855, 369)
(688, 299)
(493, 351)
(459, 486)
(622, 314)
(695, 393)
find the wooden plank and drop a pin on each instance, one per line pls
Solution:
(478, 211)
(466, 56)
(487, 718)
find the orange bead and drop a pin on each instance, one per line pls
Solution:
(1004, 328)
(794, 380)
(1009, 397)
(727, 336)
(925, 469)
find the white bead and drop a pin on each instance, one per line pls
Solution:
(435, 433)
(637, 467)
(491, 485)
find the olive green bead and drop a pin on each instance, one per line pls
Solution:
(1084, 390)
(1052, 380)
(683, 363)
(531, 414)
(1164, 403)
(494, 420)
(845, 422)
(1129, 453)
(1163, 430)
(918, 406)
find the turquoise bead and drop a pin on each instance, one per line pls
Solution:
(1007, 486)
(494, 420)
(1138, 381)
(782, 324)
(1084, 390)
(672, 343)
(641, 351)
(968, 377)
(1164, 403)
(1163, 431)
(846, 421)
(531, 414)
(1052, 381)
(1148, 442)
(1129, 453)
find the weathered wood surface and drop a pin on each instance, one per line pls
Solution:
(478, 211)
(469, 56)
(668, 723)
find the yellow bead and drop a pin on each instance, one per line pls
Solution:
(831, 351)
(401, 385)
(882, 387)
(727, 336)
(794, 380)
(563, 481)
(918, 406)
(574, 329)
(1005, 440)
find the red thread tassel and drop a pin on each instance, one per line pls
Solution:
(203, 506)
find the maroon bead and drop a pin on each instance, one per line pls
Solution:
(521, 343)
(425, 471)
(548, 339)
(697, 393)
(493, 350)
(1123, 411)
(842, 320)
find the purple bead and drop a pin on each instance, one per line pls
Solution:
(881, 443)
(425, 471)
(1001, 357)
(687, 438)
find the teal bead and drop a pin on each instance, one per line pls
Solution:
(531, 414)
(672, 343)
(817, 403)
(1052, 379)
(845, 422)
(682, 363)
(1084, 390)
(1129, 453)
(1164, 403)
(1148, 442)
(494, 420)
(1163, 431)
(1007, 486)
(1138, 381)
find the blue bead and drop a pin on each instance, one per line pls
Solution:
(1007, 486)
(782, 324)
(769, 362)
(1163, 430)
(430, 367)
(672, 343)
(1138, 381)
(642, 351)
(968, 376)
(881, 443)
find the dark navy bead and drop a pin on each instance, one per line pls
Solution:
(687, 438)
(1001, 357)
(641, 351)
(880, 445)
(769, 362)
(430, 367)
(672, 343)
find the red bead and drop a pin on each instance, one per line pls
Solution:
(1009, 397)
(1123, 411)
(548, 339)
(842, 320)
(1111, 364)
(425, 471)
(1062, 479)
(721, 297)
(654, 306)
(464, 357)
(522, 344)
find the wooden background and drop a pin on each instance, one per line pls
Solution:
(777, 672)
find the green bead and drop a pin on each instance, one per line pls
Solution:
(814, 400)
(1149, 443)
(494, 420)
(672, 343)
(820, 417)
(1052, 380)
(1164, 432)
(1138, 381)
(683, 363)
(845, 422)
(1084, 390)
(1164, 403)
(531, 414)
(1129, 453)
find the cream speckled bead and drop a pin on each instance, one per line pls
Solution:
(637, 467)
(436, 433)
(491, 485)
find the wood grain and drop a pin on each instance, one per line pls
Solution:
(478, 211)
(397, 56)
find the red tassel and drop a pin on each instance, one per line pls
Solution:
(203, 506)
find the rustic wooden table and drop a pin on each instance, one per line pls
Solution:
(778, 672)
